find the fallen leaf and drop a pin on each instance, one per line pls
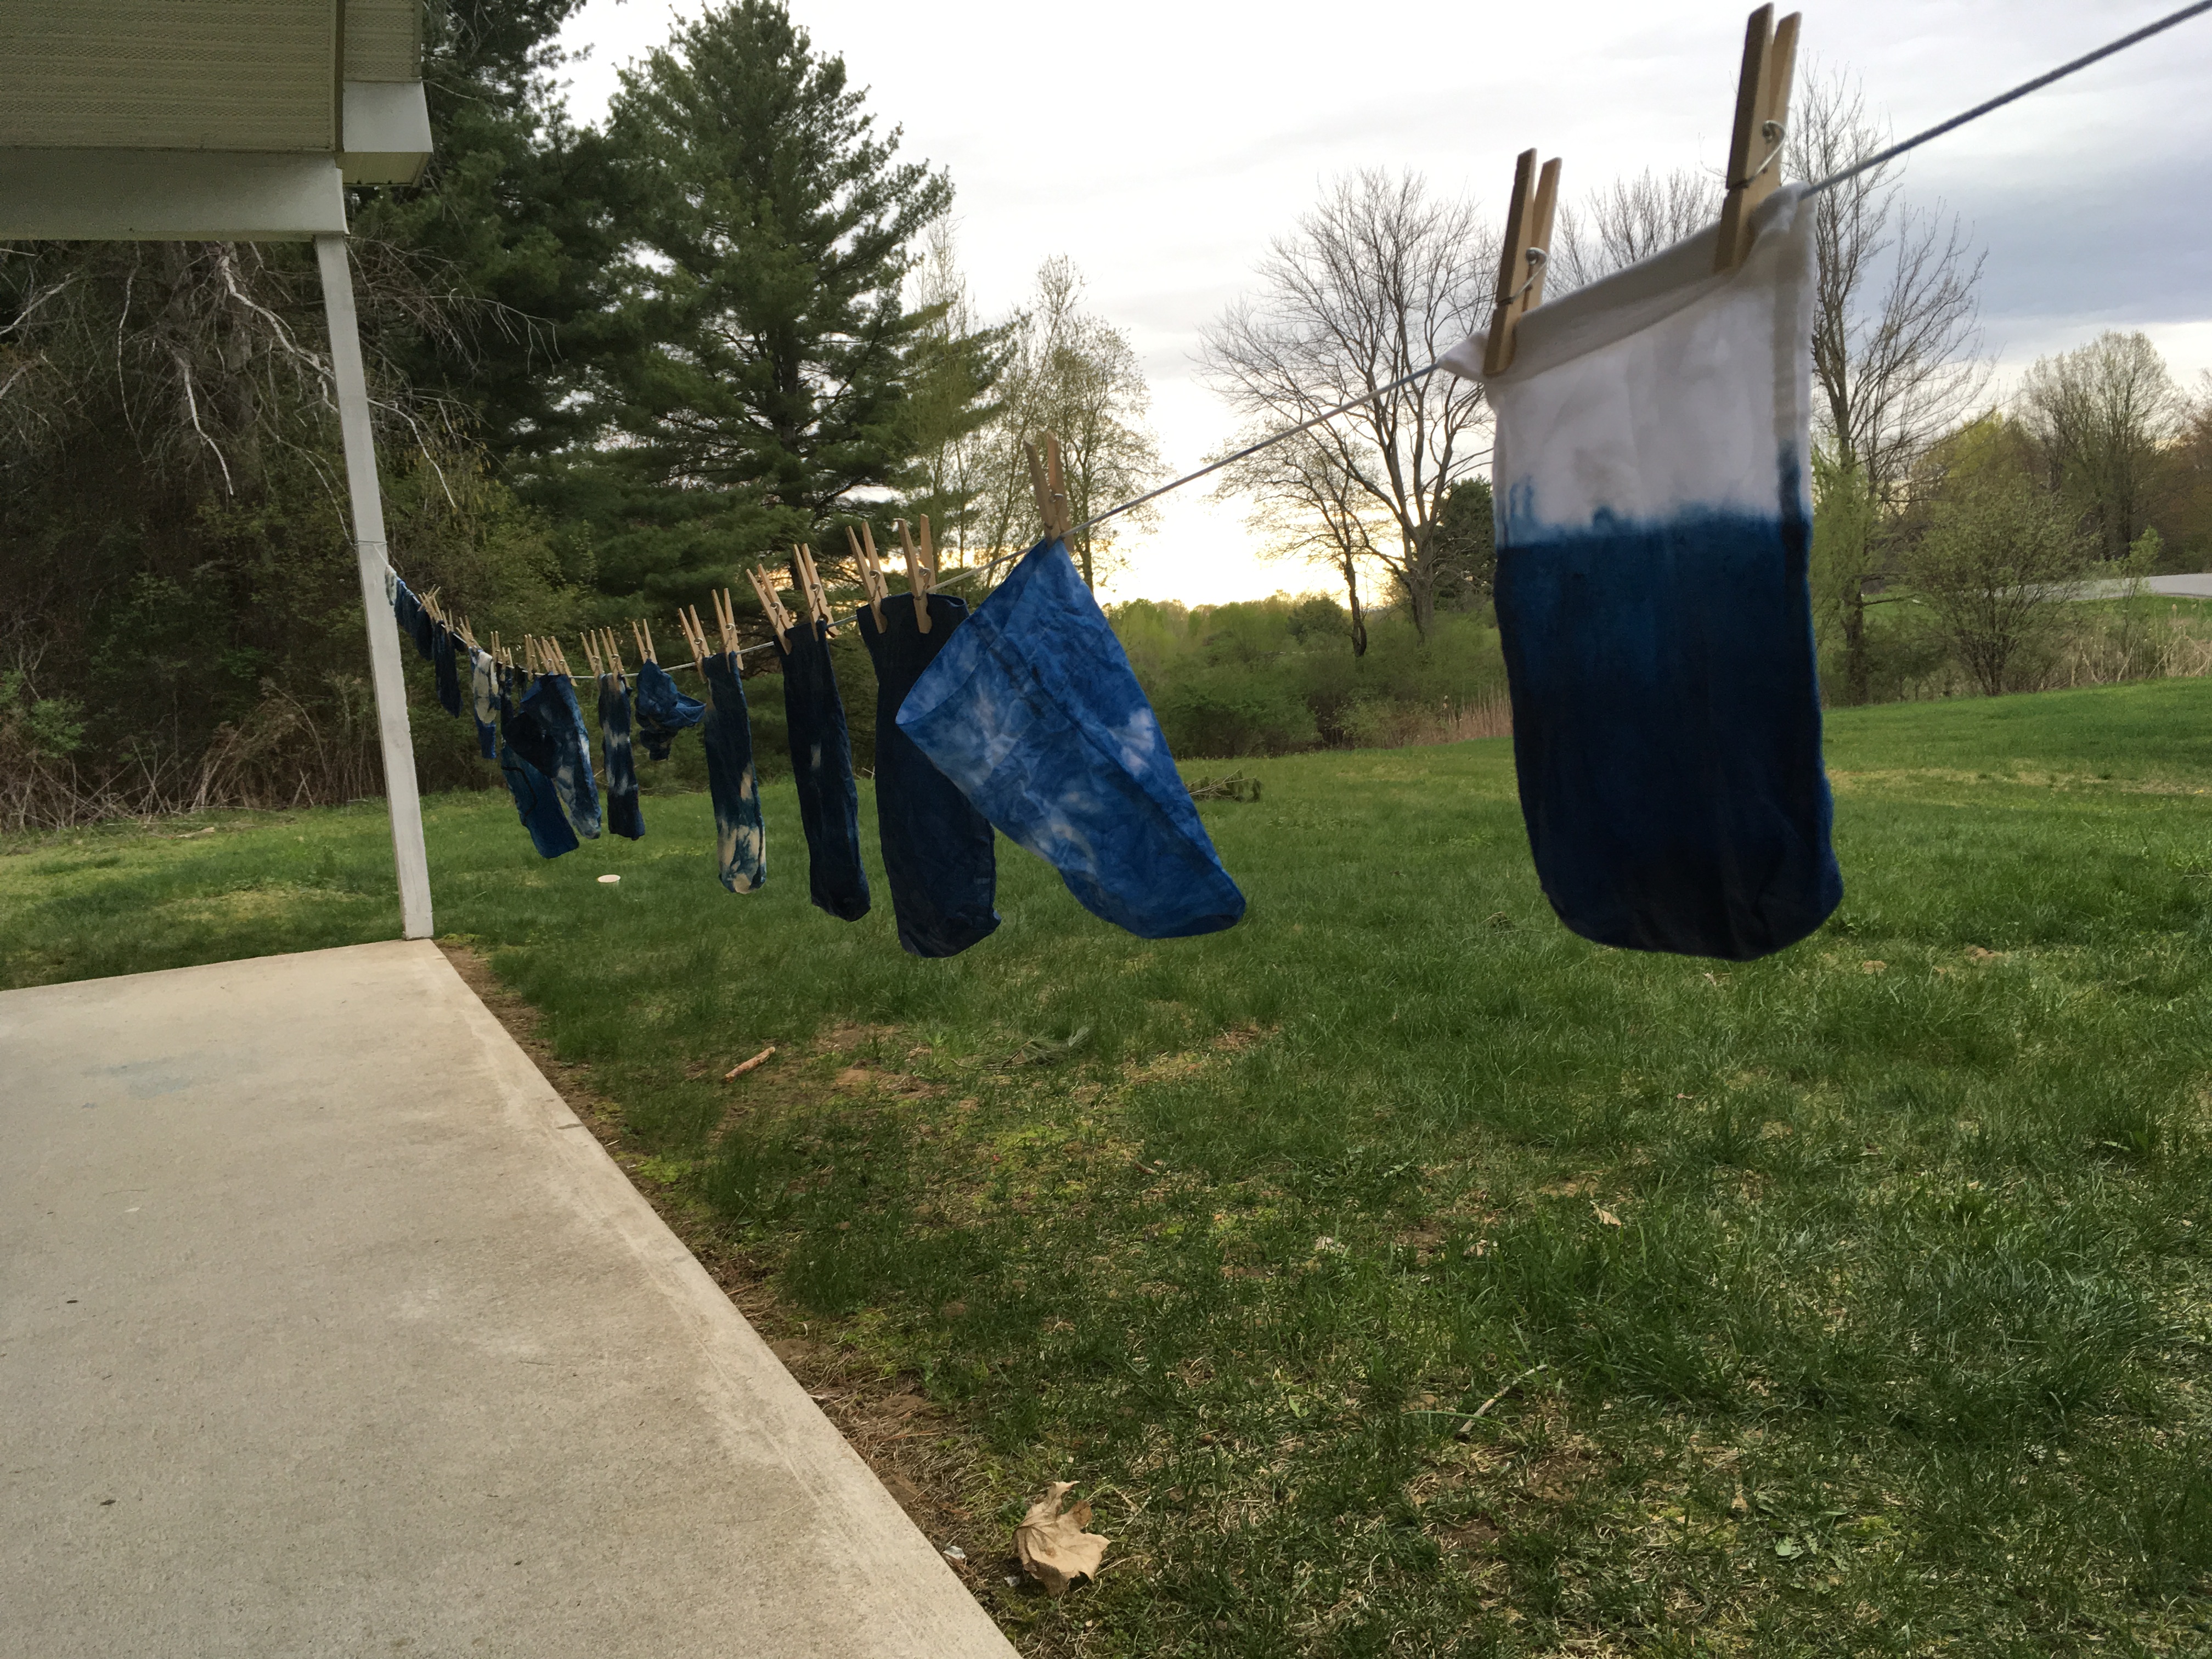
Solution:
(1873, 967)
(1053, 1549)
(1606, 1215)
(744, 1065)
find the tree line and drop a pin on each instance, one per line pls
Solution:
(615, 363)
(612, 365)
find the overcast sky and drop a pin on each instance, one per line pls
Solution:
(1161, 143)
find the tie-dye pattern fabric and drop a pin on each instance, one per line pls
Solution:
(623, 815)
(446, 666)
(1654, 522)
(940, 856)
(484, 702)
(547, 730)
(1033, 710)
(535, 801)
(821, 765)
(662, 710)
(725, 733)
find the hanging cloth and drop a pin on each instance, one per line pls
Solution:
(939, 853)
(484, 702)
(821, 765)
(623, 817)
(1033, 710)
(1653, 521)
(444, 662)
(535, 801)
(662, 710)
(413, 620)
(740, 841)
(547, 730)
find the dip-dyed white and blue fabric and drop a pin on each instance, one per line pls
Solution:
(1654, 519)
(1032, 710)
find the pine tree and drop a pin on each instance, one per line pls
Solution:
(770, 381)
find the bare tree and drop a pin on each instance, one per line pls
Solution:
(1895, 330)
(957, 362)
(2103, 415)
(1070, 373)
(1378, 280)
(1629, 220)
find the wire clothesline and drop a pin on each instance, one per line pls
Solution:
(1865, 165)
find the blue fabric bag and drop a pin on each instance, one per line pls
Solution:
(740, 841)
(1033, 710)
(1654, 524)
(623, 817)
(547, 730)
(536, 802)
(662, 710)
(939, 854)
(821, 765)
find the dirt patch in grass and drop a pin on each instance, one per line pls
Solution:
(913, 1446)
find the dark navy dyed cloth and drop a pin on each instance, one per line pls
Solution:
(1033, 710)
(1667, 733)
(446, 667)
(662, 710)
(740, 842)
(413, 620)
(547, 730)
(623, 817)
(938, 853)
(535, 799)
(821, 765)
(484, 702)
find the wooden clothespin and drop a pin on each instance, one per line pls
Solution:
(590, 654)
(726, 622)
(642, 636)
(529, 655)
(810, 584)
(695, 635)
(1051, 488)
(872, 571)
(921, 568)
(467, 638)
(610, 654)
(1526, 252)
(1762, 118)
(781, 620)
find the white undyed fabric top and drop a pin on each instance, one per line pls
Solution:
(1662, 390)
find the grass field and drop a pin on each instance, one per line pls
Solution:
(1849, 1302)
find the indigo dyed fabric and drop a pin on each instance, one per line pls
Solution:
(821, 765)
(413, 620)
(447, 669)
(547, 730)
(484, 702)
(662, 710)
(623, 817)
(1653, 521)
(1032, 710)
(740, 842)
(535, 799)
(939, 853)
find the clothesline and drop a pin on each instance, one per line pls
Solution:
(1878, 159)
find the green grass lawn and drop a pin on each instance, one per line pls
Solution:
(1852, 1302)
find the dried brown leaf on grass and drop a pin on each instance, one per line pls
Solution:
(744, 1065)
(1054, 1547)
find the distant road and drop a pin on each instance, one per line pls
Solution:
(2199, 586)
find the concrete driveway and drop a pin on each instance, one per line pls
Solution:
(326, 1328)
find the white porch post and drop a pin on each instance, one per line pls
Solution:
(399, 786)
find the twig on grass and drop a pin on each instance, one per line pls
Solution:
(744, 1065)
